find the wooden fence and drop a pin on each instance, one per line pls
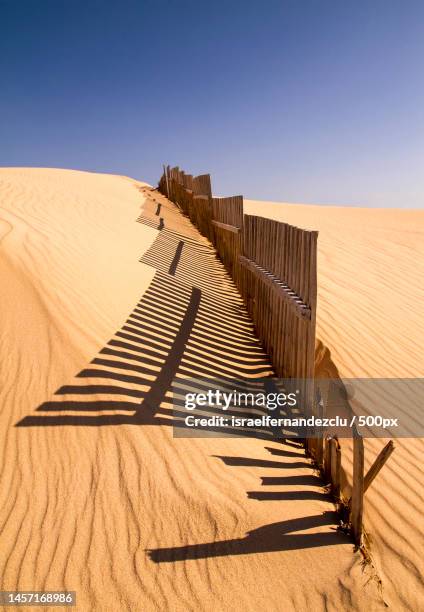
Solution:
(227, 224)
(274, 266)
(280, 288)
(331, 466)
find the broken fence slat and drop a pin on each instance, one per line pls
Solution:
(378, 464)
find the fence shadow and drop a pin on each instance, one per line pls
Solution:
(190, 323)
(283, 535)
(182, 252)
(161, 214)
(186, 325)
(269, 538)
(279, 536)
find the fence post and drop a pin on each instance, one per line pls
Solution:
(357, 502)
(335, 466)
(166, 180)
(327, 459)
(320, 436)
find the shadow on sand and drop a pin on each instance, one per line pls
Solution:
(269, 538)
(190, 323)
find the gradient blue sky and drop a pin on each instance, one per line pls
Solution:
(303, 101)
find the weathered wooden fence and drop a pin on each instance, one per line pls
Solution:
(274, 266)
(280, 288)
(331, 465)
(227, 223)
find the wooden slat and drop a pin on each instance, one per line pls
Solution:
(327, 459)
(357, 501)
(226, 227)
(335, 466)
(378, 464)
(202, 185)
(320, 410)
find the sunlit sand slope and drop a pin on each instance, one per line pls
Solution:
(370, 297)
(108, 292)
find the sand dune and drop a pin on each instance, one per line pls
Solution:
(370, 296)
(101, 310)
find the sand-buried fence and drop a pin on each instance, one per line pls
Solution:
(274, 266)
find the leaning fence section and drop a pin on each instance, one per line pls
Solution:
(274, 266)
(279, 285)
(280, 288)
(227, 225)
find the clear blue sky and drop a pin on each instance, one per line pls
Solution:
(308, 101)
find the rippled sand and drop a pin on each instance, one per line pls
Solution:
(99, 309)
(370, 296)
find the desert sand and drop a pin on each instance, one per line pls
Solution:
(369, 316)
(108, 292)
